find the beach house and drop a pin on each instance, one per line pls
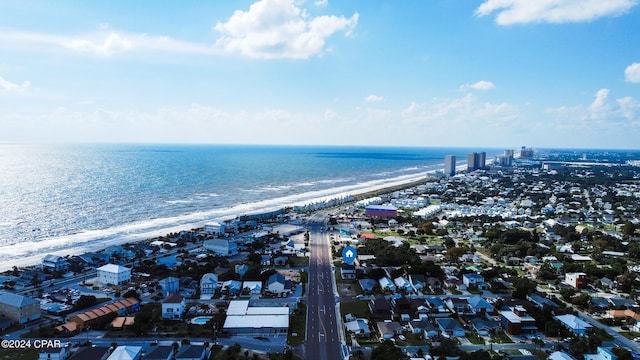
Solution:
(173, 307)
(18, 308)
(112, 274)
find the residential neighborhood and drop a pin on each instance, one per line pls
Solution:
(538, 259)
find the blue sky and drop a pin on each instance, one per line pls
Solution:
(490, 73)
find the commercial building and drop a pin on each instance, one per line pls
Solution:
(245, 319)
(381, 211)
(578, 279)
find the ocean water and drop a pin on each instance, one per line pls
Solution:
(68, 198)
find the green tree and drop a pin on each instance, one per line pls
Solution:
(386, 351)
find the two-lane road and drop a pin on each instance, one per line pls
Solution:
(322, 334)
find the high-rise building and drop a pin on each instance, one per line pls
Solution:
(507, 158)
(450, 165)
(476, 161)
(526, 153)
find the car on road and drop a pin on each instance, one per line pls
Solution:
(402, 337)
(624, 327)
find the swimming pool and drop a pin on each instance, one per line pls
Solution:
(200, 320)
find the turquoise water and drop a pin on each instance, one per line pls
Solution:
(200, 320)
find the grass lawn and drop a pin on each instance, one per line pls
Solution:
(298, 325)
(16, 354)
(475, 339)
(501, 338)
(630, 334)
(299, 261)
(358, 308)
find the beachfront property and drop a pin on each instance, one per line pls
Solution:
(19, 309)
(173, 307)
(255, 320)
(222, 247)
(476, 161)
(112, 274)
(55, 262)
(215, 228)
(450, 165)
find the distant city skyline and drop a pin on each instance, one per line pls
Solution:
(486, 73)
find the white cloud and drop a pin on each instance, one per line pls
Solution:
(604, 111)
(273, 29)
(8, 86)
(552, 11)
(321, 3)
(104, 43)
(481, 85)
(374, 98)
(632, 73)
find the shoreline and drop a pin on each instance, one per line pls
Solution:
(357, 191)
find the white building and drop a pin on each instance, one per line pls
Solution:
(245, 319)
(112, 274)
(173, 307)
(222, 247)
(208, 284)
(215, 228)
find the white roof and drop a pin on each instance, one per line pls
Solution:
(257, 321)
(242, 308)
(125, 353)
(112, 268)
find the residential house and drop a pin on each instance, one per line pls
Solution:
(450, 327)
(437, 305)
(231, 287)
(380, 307)
(423, 327)
(208, 285)
(386, 284)
(459, 305)
(575, 324)
(541, 302)
(347, 271)
(276, 284)
(388, 329)
(367, 285)
(252, 287)
(402, 284)
(91, 353)
(602, 353)
(126, 353)
(55, 262)
(169, 285)
(191, 352)
(265, 260)
(173, 307)
(473, 280)
(53, 353)
(19, 308)
(222, 247)
(241, 269)
(418, 281)
(359, 327)
(160, 353)
(484, 327)
(112, 274)
(480, 306)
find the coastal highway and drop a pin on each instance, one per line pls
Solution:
(322, 330)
